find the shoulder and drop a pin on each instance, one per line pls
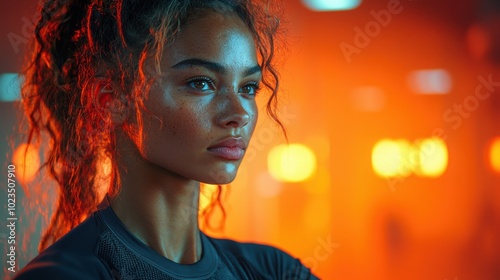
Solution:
(270, 261)
(71, 257)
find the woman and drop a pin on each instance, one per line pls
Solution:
(163, 92)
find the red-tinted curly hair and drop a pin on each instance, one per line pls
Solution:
(79, 41)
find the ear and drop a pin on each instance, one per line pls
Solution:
(110, 101)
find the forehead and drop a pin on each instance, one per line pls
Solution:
(214, 36)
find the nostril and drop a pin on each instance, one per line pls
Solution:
(235, 119)
(235, 123)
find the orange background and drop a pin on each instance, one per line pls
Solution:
(345, 222)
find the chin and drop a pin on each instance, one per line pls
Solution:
(220, 178)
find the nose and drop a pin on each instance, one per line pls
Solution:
(233, 112)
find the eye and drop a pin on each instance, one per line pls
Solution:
(250, 88)
(201, 83)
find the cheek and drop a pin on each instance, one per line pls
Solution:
(185, 123)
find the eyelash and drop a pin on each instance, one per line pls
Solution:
(208, 80)
(211, 83)
(255, 85)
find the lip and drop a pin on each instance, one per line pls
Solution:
(231, 148)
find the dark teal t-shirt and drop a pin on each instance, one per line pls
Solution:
(102, 248)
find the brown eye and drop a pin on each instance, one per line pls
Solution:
(250, 89)
(202, 84)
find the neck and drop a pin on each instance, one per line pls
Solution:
(160, 209)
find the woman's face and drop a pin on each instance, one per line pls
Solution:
(202, 111)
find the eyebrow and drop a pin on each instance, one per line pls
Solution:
(213, 66)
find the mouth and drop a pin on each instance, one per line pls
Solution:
(228, 153)
(231, 148)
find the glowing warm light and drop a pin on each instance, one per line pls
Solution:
(406, 164)
(207, 191)
(291, 163)
(495, 154)
(433, 157)
(331, 5)
(391, 158)
(103, 178)
(10, 87)
(433, 81)
(27, 161)
(399, 158)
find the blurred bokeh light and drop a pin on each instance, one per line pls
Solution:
(331, 5)
(494, 154)
(391, 158)
(27, 161)
(291, 163)
(433, 157)
(435, 81)
(10, 87)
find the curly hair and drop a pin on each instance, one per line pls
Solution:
(78, 41)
